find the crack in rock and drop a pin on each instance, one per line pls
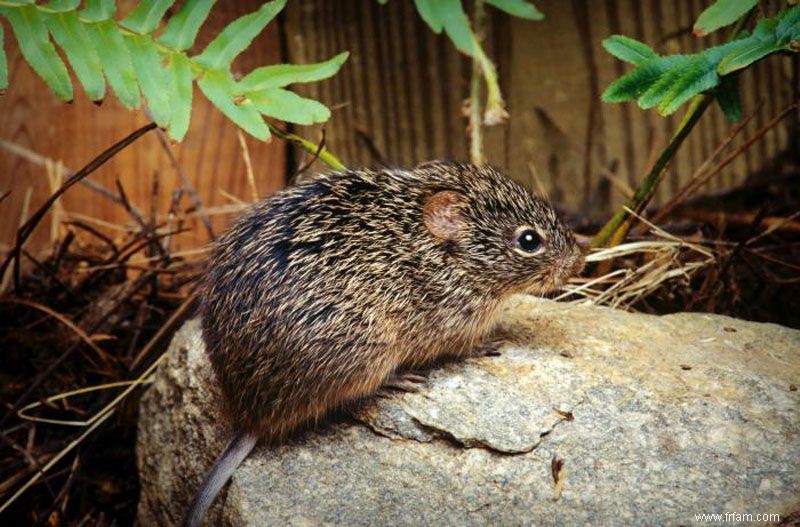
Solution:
(404, 424)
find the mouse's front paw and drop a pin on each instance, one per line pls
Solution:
(490, 347)
(408, 382)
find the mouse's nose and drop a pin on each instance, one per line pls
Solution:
(568, 265)
(578, 261)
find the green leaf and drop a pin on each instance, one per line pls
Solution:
(69, 33)
(765, 29)
(281, 75)
(720, 14)
(290, 107)
(456, 25)
(3, 61)
(237, 36)
(789, 26)
(182, 28)
(697, 78)
(153, 79)
(218, 86)
(63, 5)
(660, 88)
(34, 42)
(180, 67)
(116, 61)
(771, 35)
(98, 10)
(728, 97)
(147, 15)
(450, 16)
(628, 49)
(430, 16)
(632, 85)
(746, 54)
(518, 8)
(717, 53)
(668, 82)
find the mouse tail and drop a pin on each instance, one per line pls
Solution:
(237, 450)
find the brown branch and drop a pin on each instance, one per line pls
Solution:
(774, 223)
(147, 229)
(51, 273)
(374, 152)
(700, 178)
(91, 230)
(171, 322)
(186, 185)
(313, 159)
(40, 160)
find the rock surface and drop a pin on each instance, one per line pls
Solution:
(645, 420)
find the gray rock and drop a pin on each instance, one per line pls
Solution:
(650, 419)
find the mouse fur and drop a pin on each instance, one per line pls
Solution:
(322, 292)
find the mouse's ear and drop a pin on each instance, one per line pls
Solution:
(443, 215)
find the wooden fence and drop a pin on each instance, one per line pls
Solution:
(398, 100)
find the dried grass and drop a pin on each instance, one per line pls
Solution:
(658, 263)
(90, 321)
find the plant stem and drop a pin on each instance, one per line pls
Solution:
(475, 128)
(617, 227)
(310, 147)
(495, 105)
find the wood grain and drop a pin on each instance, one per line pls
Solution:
(398, 99)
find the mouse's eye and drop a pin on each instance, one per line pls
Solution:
(527, 241)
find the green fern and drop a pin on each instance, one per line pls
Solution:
(132, 59)
(720, 14)
(667, 82)
(449, 16)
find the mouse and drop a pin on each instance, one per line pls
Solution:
(325, 292)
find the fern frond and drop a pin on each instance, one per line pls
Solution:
(667, 82)
(34, 42)
(720, 14)
(3, 62)
(136, 62)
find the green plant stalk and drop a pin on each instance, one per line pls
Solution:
(476, 153)
(495, 105)
(616, 228)
(310, 147)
